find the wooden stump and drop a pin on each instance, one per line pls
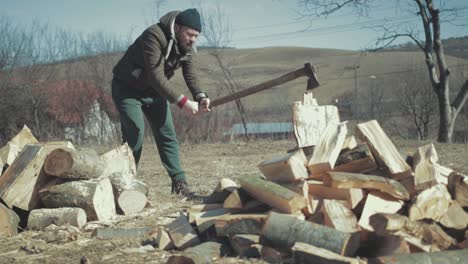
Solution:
(72, 164)
(94, 196)
(9, 221)
(130, 194)
(310, 120)
(284, 230)
(42, 218)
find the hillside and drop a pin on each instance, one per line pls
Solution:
(456, 47)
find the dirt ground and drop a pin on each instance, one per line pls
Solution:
(205, 164)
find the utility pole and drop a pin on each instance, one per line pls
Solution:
(355, 67)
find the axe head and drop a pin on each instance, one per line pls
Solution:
(312, 81)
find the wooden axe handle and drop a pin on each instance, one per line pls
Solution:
(304, 71)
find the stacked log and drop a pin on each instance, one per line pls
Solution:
(54, 183)
(348, 202)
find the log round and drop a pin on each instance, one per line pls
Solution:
(94, 196)
(42, 218)
(283, 230)
(130, 194)
(72, 164)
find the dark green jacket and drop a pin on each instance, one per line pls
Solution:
(151, 60)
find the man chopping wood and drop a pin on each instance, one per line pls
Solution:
(141, 87)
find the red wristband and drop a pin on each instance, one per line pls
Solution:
(182, 102)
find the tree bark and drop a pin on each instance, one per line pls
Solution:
(41, 218)
(71, 164)
(284, 230)
(94, 196)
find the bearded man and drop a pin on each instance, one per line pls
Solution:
(141, 87)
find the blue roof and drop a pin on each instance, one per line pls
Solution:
(261, 128)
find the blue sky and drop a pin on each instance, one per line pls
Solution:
(259, 23)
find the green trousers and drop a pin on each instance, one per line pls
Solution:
(132, 108)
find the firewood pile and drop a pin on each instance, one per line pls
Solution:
(58, 184)
(337, 198)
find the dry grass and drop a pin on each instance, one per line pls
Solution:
(205, 164)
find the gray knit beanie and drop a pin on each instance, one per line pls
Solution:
(190, 18)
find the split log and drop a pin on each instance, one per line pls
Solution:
(115, 232)
(11, 150)
(427, 235)
(455, 217)
(20, 183)
(338, 216)
(272, 194)
(289, 168)
(383, 149)
(182, 233)
(237, 199)
(352, 196)
(283, 231)
(130, 194)
(224, 188)
(362, 181)
(449, 256)
(94, 196)
(424, 167)
(408, 183)
(458, 188)
(194, 210)
(310, 120)
(205, 220)
(302, 188)
(378, 203)
(41, 218)
(9, 221)
(328, 148)
(349, 144)
(431, 203)
(119, 159)
(162, 240)
(357, 160)
(202, 254)
(1, 166)
(246, 246)
(240, 224)
(307, 253)
(72, 164)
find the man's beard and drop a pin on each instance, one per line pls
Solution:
(184, 49)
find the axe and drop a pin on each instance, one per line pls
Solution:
(308, 70)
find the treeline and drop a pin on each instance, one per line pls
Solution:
(457, 47)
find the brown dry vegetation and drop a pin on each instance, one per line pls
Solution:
(205, 164)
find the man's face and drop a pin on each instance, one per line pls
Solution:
(186, 36)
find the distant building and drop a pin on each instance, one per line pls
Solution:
(273, 130)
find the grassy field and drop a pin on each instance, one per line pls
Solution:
(205, 165)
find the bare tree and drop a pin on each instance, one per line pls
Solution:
(217, 33)
(430, 44)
